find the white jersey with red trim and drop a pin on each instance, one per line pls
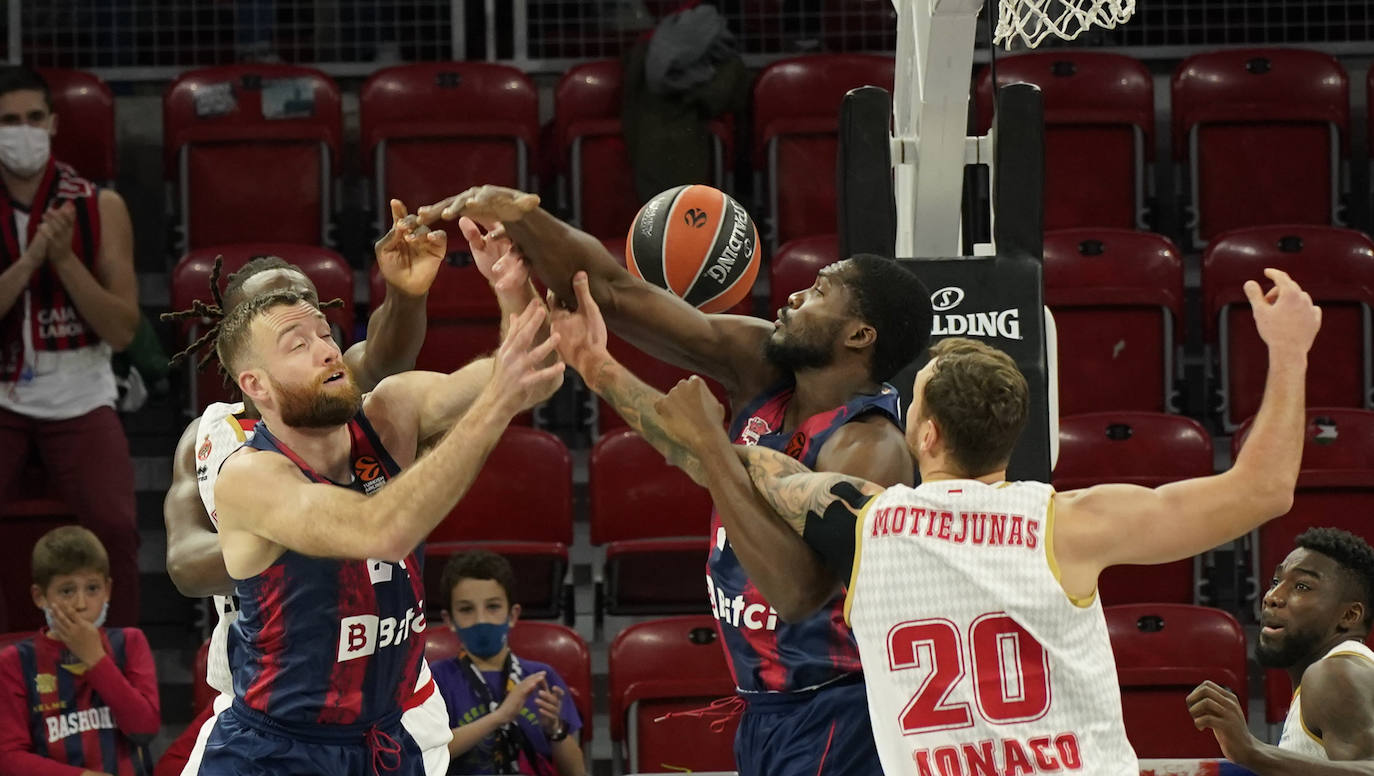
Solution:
(1297, 738)
(975, 658)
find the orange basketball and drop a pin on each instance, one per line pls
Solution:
(697, 242)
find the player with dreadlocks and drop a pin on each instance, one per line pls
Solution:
(408, 258)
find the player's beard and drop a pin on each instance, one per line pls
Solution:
(1287, 651)
(320, 405)
(797, 350)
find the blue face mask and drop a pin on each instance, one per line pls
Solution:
(99, 621)
(484, 639)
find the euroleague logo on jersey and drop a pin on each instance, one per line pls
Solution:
(368, 469)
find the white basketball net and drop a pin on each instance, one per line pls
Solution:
(1034, 20)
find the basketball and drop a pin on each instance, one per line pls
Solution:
(697, 242)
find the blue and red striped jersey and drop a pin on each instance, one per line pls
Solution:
(327, 641)
(766, 654)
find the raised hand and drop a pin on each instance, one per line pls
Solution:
(516, 384)
(485, 204)
(690, 414)
(1213, 706)
(496, 257)
(549, 703)
(56, 230)
(79, 634)
(409, 255)
(581, 334)
(509, 709)
(1286, 318)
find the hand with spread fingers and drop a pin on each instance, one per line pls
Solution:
(549, 703)
(1285, 316)
(496, 257)
(1216, 707)
(409, 255)
(509, 710)
(485, 204)
(581, 333)
(79, 634)
(518, 383)
(690, 414)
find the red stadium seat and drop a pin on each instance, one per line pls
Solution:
(191, 280)
(252, 150)
(1136, 448)
(557, 645)
(1335, 485)
(658, 374)
(587, 107)
(1162, 652)
(796, 124)
(659, 669)
(1099, 121)
(1335, 266)
(654, 522)
(434, 129)
(1117, 298)
(464, 317)
(86, 126)
(23, 520)
(1262, 132)
(504, 513)
(795, 266)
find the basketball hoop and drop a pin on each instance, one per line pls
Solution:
(1034, 20)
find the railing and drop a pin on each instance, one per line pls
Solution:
(156, 39)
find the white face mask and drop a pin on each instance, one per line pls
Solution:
(24, 150)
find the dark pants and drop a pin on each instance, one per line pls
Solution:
(86, 461)
(823, 732)
(247, 743)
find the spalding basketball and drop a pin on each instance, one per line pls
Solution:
(697, 242)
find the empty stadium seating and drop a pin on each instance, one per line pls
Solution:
(1099, 127)
(1117, 298)
(191, 281)
(1261, 133)
(1162, 652)
(519, 506)
(1335, 266)
(463, 317)
(430, 130)
(653, 521)
(796, 121)
(1137, 448)
(658, 670)
(86, 123)
(795, 265)
(252, 151)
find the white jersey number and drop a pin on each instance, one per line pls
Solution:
(1011, 677)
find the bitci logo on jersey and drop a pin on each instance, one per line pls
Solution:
(362, 635)
(735, 611)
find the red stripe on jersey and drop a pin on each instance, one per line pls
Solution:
(729, 654)
(772, 673)
(247, 424)
(273, 632)
(343, 704)
(91, 749)
(418, 698)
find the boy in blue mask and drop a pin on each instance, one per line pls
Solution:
(76, 698)
(509, 715)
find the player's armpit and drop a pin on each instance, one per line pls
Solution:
(1338, 702)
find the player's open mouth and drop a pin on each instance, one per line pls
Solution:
(334, 377)
(1270, 628)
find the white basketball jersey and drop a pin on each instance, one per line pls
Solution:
(1296, 737)
(218, 434)
(975, 658)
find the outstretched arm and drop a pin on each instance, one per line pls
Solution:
(726, 348)
(1114, 524)
(194, 560)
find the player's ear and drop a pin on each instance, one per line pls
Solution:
(930, 435)
(1352, 619)
(861, 336)
(253, 385)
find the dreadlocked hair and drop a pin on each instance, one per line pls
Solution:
(216, 312)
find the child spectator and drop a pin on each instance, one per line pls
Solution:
(509, 714)
(76, 699)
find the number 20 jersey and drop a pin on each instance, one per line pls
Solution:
(976, 660)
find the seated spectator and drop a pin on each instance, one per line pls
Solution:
(77, 698)
(509, 715)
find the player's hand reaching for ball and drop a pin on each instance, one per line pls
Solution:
(509, 710)
(1286, 318)
(486, 204)
(409, 255)
(496, 257)
(581, 333)
(517, 383)
(691, 415)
